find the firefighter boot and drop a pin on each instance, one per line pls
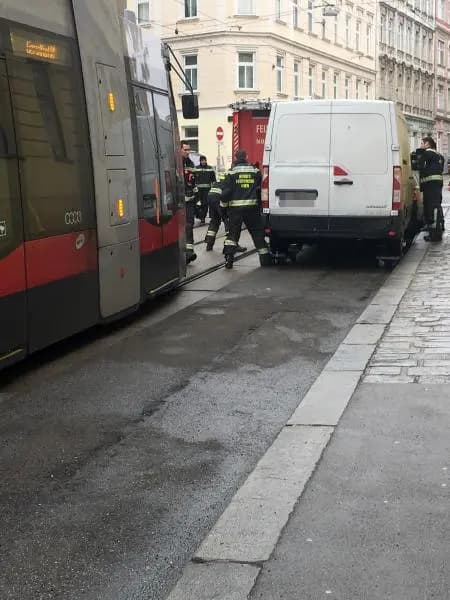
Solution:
(209, 240)
(228, 261)
(241, 248)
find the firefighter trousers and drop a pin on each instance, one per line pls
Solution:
(216, 215)
(432, 199)
(252, 218)
(202, 203)
(190, 216)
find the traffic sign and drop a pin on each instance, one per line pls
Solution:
(219, 134)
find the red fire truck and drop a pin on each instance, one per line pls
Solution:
(250, 119)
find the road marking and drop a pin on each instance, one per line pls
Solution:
(249, 528)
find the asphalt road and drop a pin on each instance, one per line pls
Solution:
(119, 452)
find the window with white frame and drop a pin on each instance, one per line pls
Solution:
(367, 88)
(336, 30)
(190, 9)
(310, 17)
(357, 35)
(348, 30)
(369, 39)
(279, 70)
(408, 38)
(246, 70)
(335, 85)
(424, 48)
(358, 84)
(190, 68)
(295, 13)
(278, 8)
(143, 11)
(441, 9)
(324, 83)
(311, 76)
(383, 29)
(441, 53)
(245, 7)
(440, 97)
(347, 87)
(448, 99)
(401, 35)
(296, 80)
(417, 44)
(430, 50)
(390, 36)
(190, 134)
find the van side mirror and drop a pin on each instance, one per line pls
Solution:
(189, 103)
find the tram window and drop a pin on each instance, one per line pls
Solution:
(148, 154)
(53, 143)
(166, 141)
(10, 210)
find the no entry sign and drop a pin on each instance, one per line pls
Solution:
(219, 134)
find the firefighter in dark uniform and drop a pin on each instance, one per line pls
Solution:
(190, 197)
(431, 167)
(217, 214)
(240, 192)
(204, 178)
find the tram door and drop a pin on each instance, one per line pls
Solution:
(12, 261)
(167, 169)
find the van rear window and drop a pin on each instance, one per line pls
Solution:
(359, 143)
(303, 138)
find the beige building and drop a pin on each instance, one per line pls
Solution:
(406, 69)
(250, 49)
(442, 73)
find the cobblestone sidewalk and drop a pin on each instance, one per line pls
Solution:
(415, 347)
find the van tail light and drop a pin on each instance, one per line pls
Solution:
(339, 171)
(397, 188)
(265, 187)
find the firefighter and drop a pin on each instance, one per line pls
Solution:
(190, 197)
(240, 191)
(204, 178)
(217, 214)
(431, 167)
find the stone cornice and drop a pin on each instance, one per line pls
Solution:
(239, 36)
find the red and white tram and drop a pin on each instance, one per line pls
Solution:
(91, 198)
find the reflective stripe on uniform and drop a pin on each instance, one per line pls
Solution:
(248, 202)
(432, 178)
(230, 243)
(211, 233)
(189, 246)
(215, 190)
(189, 198)
(243, 169)
(203, 185)
(223, 204)
(263, 250)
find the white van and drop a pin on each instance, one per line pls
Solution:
(338, 169)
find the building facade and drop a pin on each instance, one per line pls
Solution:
(249, 49)
(442, 72)
(406, 61)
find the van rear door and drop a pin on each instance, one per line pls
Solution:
(299, 161)
(361, 161)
